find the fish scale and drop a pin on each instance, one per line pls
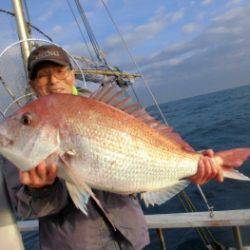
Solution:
(142, 173)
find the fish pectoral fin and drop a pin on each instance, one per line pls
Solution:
(78, 196)
(80, 190)
(162, 195)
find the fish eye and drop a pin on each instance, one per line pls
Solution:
(26, 119)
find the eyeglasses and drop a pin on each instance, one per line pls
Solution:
(59, 74)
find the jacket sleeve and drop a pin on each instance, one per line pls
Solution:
(33, 202)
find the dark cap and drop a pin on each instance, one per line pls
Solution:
(51, 53)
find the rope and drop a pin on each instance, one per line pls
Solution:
(80, 30)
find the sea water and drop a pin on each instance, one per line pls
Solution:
(220, 121)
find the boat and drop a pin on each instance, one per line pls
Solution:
(100, 72)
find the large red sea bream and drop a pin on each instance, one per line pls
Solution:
(97, 145)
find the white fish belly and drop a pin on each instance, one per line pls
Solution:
(125, 166)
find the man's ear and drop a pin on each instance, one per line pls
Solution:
(73, 72)
(32, 84)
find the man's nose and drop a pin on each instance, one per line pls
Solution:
(53, 79)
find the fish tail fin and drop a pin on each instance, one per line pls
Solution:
(231, 159)
(235, 174)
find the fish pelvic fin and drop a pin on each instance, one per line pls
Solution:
(228, 160)
(78, 196)
(80, 191)
(162, 195)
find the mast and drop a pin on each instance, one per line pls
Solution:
(22, 29)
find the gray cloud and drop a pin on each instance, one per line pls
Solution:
(135, 35)
(206, 2)
(190, 27)
(218, 58)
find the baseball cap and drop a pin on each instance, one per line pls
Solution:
(51, 53)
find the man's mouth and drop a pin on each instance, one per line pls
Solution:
(56, 90)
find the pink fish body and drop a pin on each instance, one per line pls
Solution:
(99, 146)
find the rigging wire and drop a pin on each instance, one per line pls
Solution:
(27, 15)
(80, 30)
(90, 33)
(138, 69)
(16, 101)
(187, 199)
(2, 114)
(92, 38)
(210, 208)
(203, 232)
(189, 208)
(133, 60)
(29, 24)
(8, 90)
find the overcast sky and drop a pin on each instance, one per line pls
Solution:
(184, 48)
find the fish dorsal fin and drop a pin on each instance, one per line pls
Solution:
(110, 95)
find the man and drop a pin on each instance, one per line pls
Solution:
(40, 194)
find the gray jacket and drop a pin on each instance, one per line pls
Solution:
(63, 226)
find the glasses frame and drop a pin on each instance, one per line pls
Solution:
(59, 76)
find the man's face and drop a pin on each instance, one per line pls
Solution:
(52, 78)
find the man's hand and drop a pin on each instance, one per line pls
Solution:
(40, 176)
(207, 170)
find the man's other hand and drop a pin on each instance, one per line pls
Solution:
(207, 170)
(40, 176)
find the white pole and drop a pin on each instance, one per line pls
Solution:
(22, 29)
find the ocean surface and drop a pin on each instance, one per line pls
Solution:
(219, 121)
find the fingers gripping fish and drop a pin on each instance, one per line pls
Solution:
(96, 145)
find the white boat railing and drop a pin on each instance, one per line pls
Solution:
(228, 218)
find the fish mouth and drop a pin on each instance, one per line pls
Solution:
(4, 139)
